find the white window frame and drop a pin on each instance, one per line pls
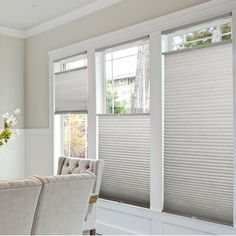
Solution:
(152, 28)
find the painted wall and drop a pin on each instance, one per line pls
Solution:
(126, 13)
(11, 97)
(12, 93)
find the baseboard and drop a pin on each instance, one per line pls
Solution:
(106, 229)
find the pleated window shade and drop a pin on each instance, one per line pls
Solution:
(124, 145)
(71, 91)
(198, 133)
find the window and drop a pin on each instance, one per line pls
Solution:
(198, 128)
(124, 125)
(68, 64)
(71, 104)
(200, 35)
(127, 79)
(74, 135)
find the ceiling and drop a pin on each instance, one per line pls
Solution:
(26, 14)
(26, 18)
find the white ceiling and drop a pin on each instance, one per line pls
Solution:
(26, 14)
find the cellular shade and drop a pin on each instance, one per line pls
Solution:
(124, 145)
(198, 133)
(71, 91)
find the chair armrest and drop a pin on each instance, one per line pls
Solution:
(93, 199)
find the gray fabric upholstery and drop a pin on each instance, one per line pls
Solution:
(63, 204)
(68, 165)
(18, 201)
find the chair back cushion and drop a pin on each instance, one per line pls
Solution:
(18, 201)
(67, 165)
(63, 204)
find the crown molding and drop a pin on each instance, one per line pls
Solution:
(71, 16)
(221, 5)
(12, 32)
(58, 21)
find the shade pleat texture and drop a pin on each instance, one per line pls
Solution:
(124, 145)
(71, 91)
(198, 133)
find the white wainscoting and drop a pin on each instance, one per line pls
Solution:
(117, 218)
(12, 157)
(27, 153)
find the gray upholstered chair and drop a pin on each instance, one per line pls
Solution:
(18, 201)
(78, 165)
(63, 204)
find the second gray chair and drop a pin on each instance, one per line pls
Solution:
(62, 204)
(67, 165)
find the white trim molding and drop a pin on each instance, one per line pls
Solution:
(156, 173)
(61, 20)
(12, 32)
(71, 16)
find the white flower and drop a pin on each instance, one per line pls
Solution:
(5, 116)
(17, 112)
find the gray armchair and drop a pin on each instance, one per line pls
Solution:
(79, 165)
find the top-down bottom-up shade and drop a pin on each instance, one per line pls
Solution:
(198, 133)
(124, 145)
(71, 91)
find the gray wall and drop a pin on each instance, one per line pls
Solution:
(121, 15)
(12, 76)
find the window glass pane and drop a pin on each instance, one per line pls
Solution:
(124, 52)
(199, 35)
(70, 63)
(77, 64)
(198, 38)
(75, 135)
(127, 79)
(226, 31)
